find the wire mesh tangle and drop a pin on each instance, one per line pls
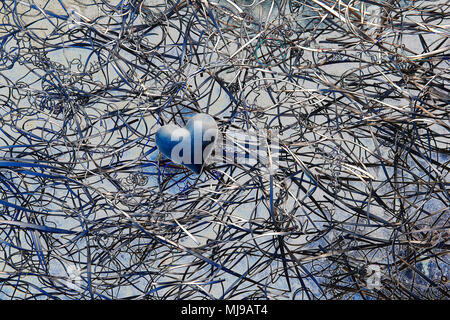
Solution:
(355, 94)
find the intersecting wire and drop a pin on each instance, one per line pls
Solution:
(357, 92)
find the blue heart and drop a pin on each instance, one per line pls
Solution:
(191, 145)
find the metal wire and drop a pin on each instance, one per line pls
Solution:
(357, 91)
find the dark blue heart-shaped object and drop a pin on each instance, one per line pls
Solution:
(191, 145)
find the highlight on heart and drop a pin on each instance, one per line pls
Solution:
(191, 145)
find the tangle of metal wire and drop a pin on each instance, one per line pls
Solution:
(357, 90)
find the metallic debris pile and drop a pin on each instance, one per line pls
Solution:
(352, 204)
